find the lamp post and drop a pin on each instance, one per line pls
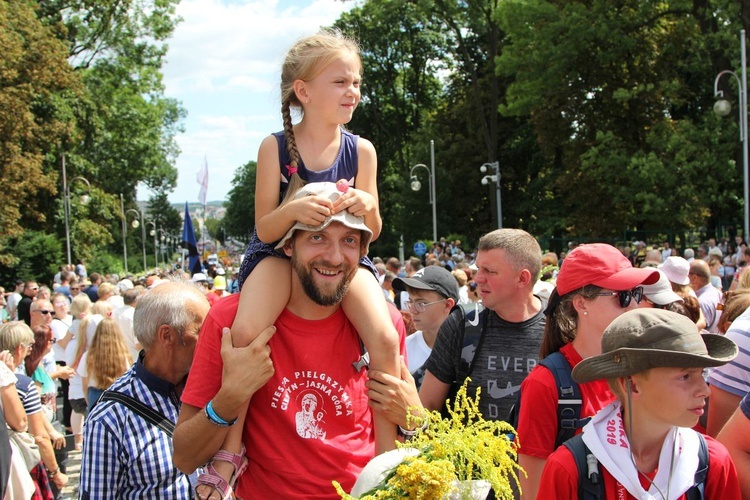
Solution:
(153, 233)
(161, 232)
(66, 202)
(416, 186)
(723, 108)
(134, 224)
(495, 166)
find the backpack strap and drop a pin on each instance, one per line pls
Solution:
(471, 339)
(590, 484)
(569, 397)
(698, 490)
(149, 414)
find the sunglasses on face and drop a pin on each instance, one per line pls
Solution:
(624, 296)
(44, 311)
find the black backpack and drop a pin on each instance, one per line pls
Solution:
(568, 403)
(591, 487)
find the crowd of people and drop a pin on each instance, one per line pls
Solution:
(315, 358)
(140, 337)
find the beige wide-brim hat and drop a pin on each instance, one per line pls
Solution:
(329, 190)
(641, 339)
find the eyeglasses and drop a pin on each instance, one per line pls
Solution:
(44, 311)
(624, 296)
(29, 345)
(420, 307)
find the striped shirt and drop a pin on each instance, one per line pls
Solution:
(734, 377)
(124, 456)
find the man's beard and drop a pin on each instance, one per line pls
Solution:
(313, 291)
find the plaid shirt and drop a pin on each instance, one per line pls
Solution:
(124, 456)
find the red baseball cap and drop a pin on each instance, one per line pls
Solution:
(601, 265)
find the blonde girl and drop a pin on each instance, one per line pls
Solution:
(106, 359)
(80, 308)
(320, 79)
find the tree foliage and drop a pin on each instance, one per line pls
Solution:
(239, 219)
(82, 79)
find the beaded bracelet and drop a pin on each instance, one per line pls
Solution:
(216, 419)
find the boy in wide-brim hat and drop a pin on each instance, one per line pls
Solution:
(653, 361)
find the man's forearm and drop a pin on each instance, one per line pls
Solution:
(196, 439)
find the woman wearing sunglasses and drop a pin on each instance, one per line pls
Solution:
(596, 284)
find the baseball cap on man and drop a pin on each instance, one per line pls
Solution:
(331, 191)
(601, 265)
(435, 278)
(641, 339)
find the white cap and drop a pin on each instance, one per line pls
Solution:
(199, 277)
(661, 292)
(676, 269)
(332, 191)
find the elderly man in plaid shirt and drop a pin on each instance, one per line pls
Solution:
(127, 450)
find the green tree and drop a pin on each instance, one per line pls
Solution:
(239, 219)
(401, 56)
(619, 100)
(37, 88)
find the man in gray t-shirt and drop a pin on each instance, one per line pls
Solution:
(509, 262)
(509, 351)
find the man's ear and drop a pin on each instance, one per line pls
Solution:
(289, 246)
(166, 336)
(524, 277)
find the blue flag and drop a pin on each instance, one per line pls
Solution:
(188, 241)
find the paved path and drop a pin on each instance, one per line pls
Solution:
(73, 469)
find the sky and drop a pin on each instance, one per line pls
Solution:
(223, 64)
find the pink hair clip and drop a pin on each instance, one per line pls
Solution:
(292, 170)
(342, 185)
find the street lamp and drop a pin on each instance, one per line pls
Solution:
(135, 223)
(161, 232)
(495, 166)
(416, 186)
(66, 202)
(723, 108)
(153, 233)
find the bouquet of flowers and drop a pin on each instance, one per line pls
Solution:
(445, 460)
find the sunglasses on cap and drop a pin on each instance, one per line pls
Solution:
(624, 296)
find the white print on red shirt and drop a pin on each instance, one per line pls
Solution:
(312, 396)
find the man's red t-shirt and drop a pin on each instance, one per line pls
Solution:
(310, 424)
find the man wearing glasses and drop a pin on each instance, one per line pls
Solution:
(433, 292)
(30, 290)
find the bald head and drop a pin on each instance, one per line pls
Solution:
(699, 274)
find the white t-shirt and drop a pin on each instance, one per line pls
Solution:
(83, 370)
(59, 331)
(12, 305)
(417, 351)
(124, 318)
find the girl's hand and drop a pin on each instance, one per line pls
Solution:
(357, 202)
(310, 210)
